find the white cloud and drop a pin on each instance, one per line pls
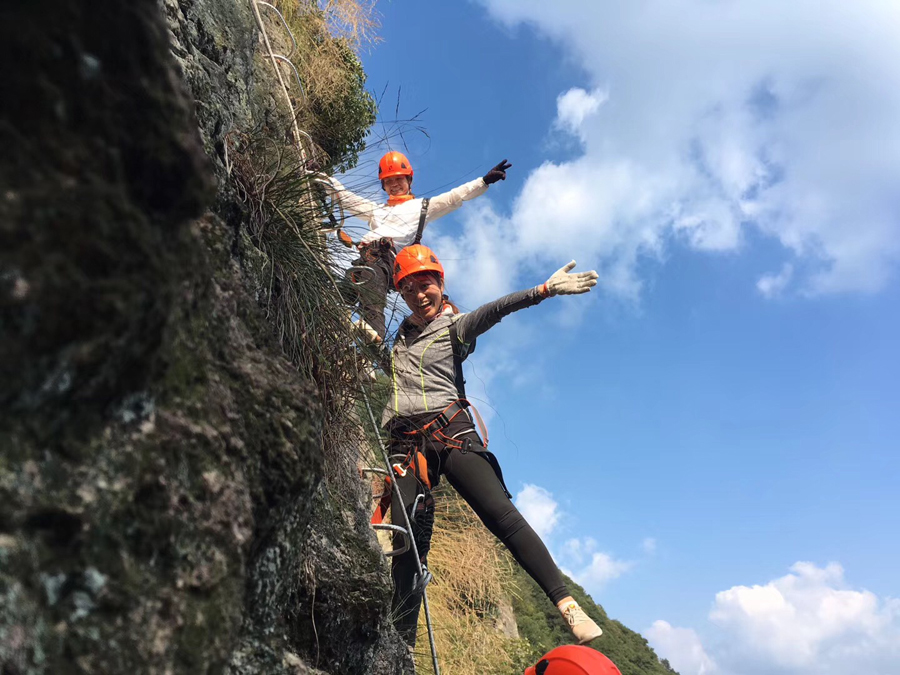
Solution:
(580, 558)
(704, 118)
(480, 264)
(577, 551)
(574, 106)
(772, 285)
(602, 569)
(808, 622)
(649, 545)
(539, 508)
(682, 648)
(588, 566)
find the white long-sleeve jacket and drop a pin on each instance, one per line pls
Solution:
(400, 222)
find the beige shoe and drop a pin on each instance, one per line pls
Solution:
(582, 626)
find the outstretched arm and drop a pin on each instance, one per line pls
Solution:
(352, 202)
(562, 282)
(444, 203)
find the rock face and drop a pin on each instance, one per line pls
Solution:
(161, 467)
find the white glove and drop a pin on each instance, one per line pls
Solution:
(369, 335)
(362, 328)
(563, 283)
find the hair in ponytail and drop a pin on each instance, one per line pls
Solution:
(448, 301)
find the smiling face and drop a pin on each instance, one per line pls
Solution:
(396, 186)
(424, 294)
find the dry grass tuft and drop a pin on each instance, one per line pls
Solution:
(337, 110)
(472, 582)
(356, 22)
(301, 292)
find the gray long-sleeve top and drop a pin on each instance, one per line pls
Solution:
(421, 364)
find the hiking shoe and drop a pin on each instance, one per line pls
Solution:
(582, 626)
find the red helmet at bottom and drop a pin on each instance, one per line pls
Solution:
(573, 660)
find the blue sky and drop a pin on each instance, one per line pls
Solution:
(708, 442)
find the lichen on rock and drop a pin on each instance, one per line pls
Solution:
(161, 501)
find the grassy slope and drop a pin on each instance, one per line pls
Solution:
(539, 623)
(475, 577)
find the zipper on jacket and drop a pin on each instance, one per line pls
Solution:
(394, 382)
(422, 361)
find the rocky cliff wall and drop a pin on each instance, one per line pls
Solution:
(162, 505)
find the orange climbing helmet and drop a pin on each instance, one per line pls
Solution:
(573, 660)
(394, 164)
(415, 258)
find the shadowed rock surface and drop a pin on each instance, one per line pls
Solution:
(161, 500)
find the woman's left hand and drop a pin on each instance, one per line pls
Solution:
(497, 173)
(564, 283)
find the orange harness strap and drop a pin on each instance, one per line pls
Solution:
(435, 428)
(383, 504)
(414, 461)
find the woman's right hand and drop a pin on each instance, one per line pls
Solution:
(564, 283)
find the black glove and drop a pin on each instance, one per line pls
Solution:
(497, 173)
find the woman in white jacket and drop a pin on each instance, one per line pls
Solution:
(397, 223)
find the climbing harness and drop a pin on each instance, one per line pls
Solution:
(380, 249)
(421, 511)
(435, 428)
(375, 257)
(413, 461)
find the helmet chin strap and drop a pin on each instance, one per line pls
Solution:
(393, 200)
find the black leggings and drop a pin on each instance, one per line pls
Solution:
(473, 476)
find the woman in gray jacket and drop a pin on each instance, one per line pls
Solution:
(431, 427)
